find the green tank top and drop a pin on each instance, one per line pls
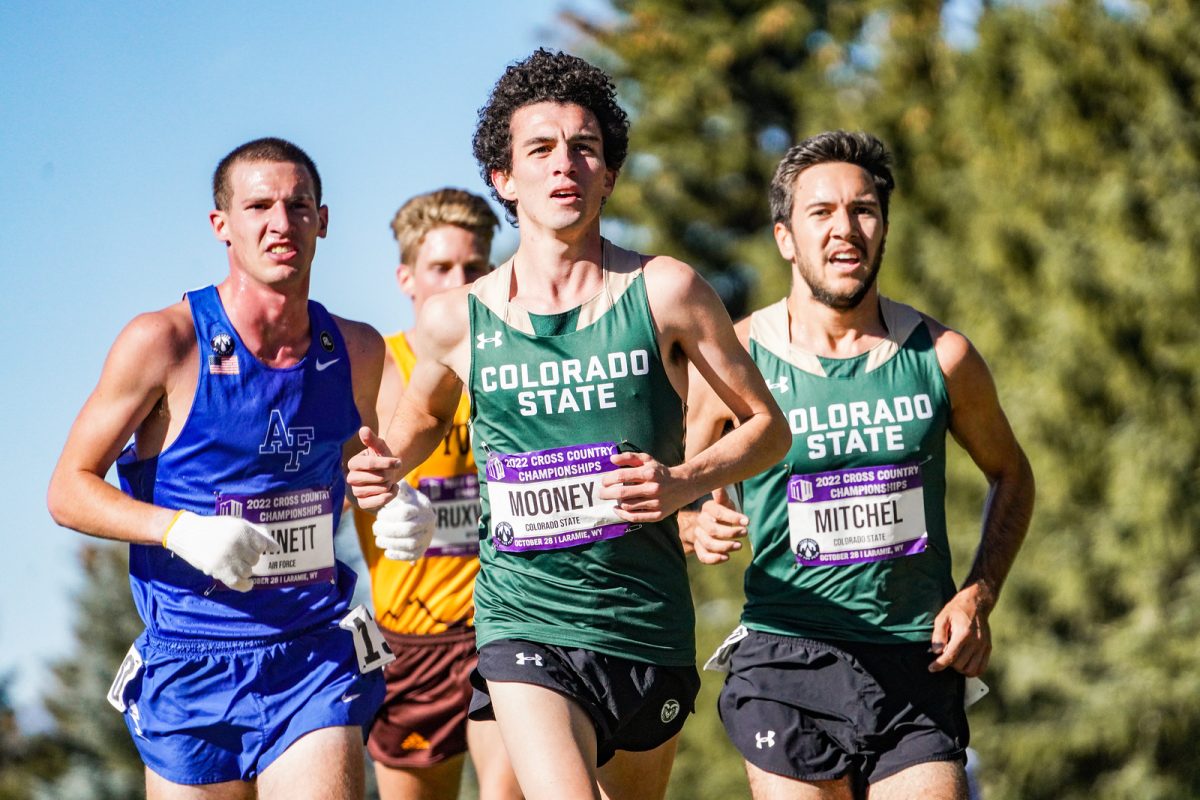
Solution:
(849, 530)
(547, 412)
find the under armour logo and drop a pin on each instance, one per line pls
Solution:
(523, 659)
(294, 442)
(781, 386)
(495, 341)
(768, 740)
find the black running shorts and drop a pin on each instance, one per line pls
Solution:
(634, 705)
(813, 711)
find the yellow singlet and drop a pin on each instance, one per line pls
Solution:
(436, 593)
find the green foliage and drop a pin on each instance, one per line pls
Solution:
(97, 759)
(707, 765)
(1048, 186)
(14, 780)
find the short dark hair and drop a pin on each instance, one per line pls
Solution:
(268, 148)
(860, 149)
(553, 77)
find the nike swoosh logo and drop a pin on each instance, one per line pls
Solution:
(346, 698)
(324, 365)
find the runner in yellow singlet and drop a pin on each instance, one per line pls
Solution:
(425, 608)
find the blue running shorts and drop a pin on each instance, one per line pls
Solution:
(211, 711)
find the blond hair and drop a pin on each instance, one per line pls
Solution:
(427, 211)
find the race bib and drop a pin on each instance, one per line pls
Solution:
(850, 516)
(547, 499)
(455, 502)
(129, 669)
(370, 648)
(301, 523)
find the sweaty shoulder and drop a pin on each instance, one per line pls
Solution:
(967, 375)
(362, 340)
(158, 343)
(951, 347)
(666, 276)
(443, 323)
(366, 349)
(676, 292)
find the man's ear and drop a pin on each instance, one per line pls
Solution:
(405, 278)
(218, 220)
(785, 242)
(504, 185)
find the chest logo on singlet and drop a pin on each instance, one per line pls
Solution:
(781, 386)
(327, 341)
(495, 340)
(222, 344)
(282, 440)
(222, 360)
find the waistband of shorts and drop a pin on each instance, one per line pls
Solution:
(451, 636)
(177, 644)
(847, 646)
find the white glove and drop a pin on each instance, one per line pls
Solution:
(405, 525)
(226, 548)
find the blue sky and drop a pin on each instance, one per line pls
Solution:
(112, 117)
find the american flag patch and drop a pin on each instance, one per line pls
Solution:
(223, 365)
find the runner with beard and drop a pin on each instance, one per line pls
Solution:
(848, 669)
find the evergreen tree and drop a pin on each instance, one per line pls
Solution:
(718, 88)
(99, 759)
(14, 779)
(1071, 250)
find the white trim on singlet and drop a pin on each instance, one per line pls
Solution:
(771, 329)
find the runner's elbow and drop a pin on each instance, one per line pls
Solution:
(778, 438)
(58, 502)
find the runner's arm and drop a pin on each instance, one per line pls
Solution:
(367, 356)
(978, 423)
(693, 324)
(133, 383)
(713, 531)
(426, 407)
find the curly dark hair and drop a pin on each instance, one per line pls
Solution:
(546, 76)
(861, 149)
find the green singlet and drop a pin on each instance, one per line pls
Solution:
(547, 410)
(849, 530)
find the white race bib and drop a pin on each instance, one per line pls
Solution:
(369, 645)
(548, 499)
(301, 523)
(455, 501)
(850, 516)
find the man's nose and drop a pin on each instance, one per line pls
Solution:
(278, 218)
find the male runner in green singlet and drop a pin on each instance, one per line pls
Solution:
(575, 354)
(833, 681)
